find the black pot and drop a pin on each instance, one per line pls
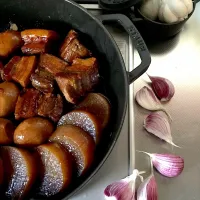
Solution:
(148, 28)
(61, 16)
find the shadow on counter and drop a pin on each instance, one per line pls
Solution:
(160, 47)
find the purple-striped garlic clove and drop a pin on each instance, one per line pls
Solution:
(157, 124)
(123, 189)
(168, 164)
(162, 87)
(148, 189)
(146, 98)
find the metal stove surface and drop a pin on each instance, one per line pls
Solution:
(117, 165)
(178, 60)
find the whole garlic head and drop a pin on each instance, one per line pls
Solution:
(150, 8)
(174, 10)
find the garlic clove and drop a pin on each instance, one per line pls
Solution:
(119, 190)
(160, 13)
(157, 124)
(168, 15)
(189, 5)
(123, 189)
(149, 8)
(171, 11)
(178, 8)
(146, 98)
(162, 87)
(148, 189)
(168, 165)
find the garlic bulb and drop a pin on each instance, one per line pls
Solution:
(174, 10)
(168, 11)
(150, 8)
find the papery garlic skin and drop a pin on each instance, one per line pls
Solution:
(171, 11)
(162, 87)
(157, 124)
(150, 8)
(148, 189)
(167, 164)
(123, 189)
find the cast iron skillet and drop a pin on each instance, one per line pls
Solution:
(149, 29)
(61, 16)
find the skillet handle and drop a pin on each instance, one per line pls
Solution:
(137, 41)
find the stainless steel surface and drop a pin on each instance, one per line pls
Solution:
(117, 165)
(177, 59)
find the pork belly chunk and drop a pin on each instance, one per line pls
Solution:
(72, 48)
